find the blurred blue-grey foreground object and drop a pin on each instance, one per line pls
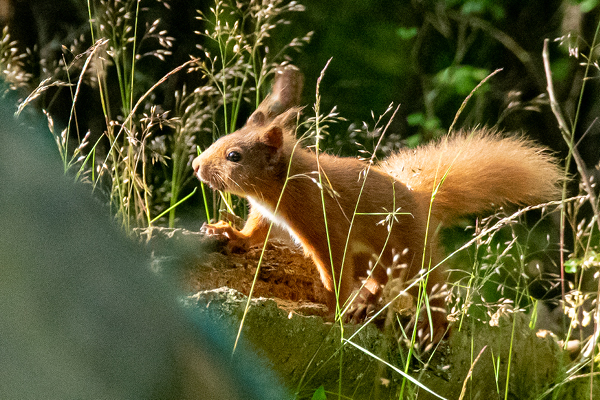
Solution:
(81, 314)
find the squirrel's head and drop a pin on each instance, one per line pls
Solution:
(249, 160)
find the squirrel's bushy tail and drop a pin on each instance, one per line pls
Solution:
(480, 170)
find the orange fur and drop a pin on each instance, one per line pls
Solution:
(508, 169)
(482, 170)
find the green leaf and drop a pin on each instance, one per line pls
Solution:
(414, 140)
(462, 78)
(483, 7)
(416, 119)
(319, 394)
(587, 5)
(571, 266)
(407, 33)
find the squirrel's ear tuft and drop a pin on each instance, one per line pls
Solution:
(287, 89)
(273, 137)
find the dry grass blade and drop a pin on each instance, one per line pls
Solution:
(42, 87)
(567, 134)
(469, 374)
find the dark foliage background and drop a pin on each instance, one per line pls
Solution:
(426, 55)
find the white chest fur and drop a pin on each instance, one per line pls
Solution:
(270, 214)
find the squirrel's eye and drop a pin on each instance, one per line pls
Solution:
(234, 156)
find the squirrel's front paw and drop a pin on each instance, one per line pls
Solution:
(236, 241)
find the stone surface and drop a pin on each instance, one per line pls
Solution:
(285, 324)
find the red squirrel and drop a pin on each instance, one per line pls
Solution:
(381, 218)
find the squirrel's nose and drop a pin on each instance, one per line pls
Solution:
(196, 164)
